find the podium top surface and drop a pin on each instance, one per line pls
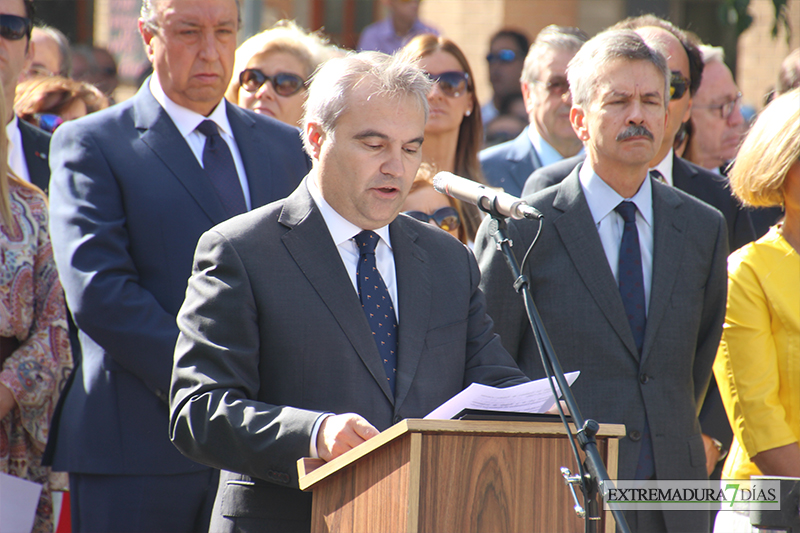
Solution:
(311, 471)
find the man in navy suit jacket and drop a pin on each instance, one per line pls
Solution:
(130, 197)
(545, 91)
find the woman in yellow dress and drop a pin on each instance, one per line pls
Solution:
(758, 362)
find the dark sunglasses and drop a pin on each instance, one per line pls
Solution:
(453, 83)
(285, 84)
(445, 217)
(677, 85)
(556, 86)
(14, 28)
(502, 56)
(48, 122)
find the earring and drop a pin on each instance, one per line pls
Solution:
(468, 112)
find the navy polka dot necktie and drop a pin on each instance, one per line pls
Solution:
(377, 304)
(631, 288)
(218, 164)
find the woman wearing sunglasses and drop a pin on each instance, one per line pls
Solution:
(272, 68)
(427, 205)
(454, 132)
(49, 101)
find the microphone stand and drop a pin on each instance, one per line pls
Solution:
(594, 476)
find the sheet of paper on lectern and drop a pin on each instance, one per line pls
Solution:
(531, 397)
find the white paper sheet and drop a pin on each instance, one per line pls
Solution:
(531, 397)
(18, 501)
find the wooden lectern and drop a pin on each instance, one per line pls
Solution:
(453, 475)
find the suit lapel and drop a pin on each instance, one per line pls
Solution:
(256, 167)
(36, 149)
(576, 228)
(163, 138)
(669, 232)
(682, 175)
(312, 248)
(524, 159)
(413, 291)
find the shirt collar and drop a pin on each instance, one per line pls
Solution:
(665, 166)
(547, 154)
(185, 119)
(341, 229)
(602, 199)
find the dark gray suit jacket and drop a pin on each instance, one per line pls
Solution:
(686, 176)
(273, 334)
(509, 164)
(128, 201)
(579, 301)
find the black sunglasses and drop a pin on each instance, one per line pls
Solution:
(445, 217)
(284, 84)
(14, 28)
(453, 83)
(502, 56)
(678, 85)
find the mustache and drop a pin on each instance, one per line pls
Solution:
(635, 131)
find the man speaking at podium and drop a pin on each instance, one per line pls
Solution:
(315, 322)
(628, 275)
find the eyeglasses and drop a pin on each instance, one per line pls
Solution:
(284, 84)
(48, 122)
(445, 217)
(725, 110)
(502, 56)
(452, 83)
(677, 85)
(14, 28)
(556, 86)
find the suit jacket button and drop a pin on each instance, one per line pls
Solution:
(397, 419)
(635, 436)
(644, 378)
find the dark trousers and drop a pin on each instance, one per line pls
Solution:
(178, 503)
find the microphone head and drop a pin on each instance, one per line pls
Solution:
(440, 181)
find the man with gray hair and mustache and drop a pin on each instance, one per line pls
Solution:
(628, 275)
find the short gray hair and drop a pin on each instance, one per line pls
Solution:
(552, 37)
(603, 48)
(148, 14)
(336, 79)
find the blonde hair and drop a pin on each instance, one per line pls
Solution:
(5, 192)
(771, 147)
(311, 49)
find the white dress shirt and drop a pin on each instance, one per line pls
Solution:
(16, 154)
(602, 200)
(665, 167)
(187, 121)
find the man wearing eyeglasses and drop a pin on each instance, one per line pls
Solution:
(134, 186)
(717, 122)
(549, 137)
(507, 49)
(28, 146)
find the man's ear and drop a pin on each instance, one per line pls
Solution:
(146, 37)
(577, 118)
(316, 136)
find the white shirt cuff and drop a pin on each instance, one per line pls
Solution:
(312, 447)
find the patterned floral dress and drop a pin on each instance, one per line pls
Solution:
(32, 310)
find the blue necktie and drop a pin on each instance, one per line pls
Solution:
(218, 164)
(631, 288)
(377, 304)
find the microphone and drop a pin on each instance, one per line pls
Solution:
(485, 198)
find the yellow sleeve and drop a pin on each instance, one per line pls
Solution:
(746, 367)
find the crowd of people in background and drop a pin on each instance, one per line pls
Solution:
(702, 368)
